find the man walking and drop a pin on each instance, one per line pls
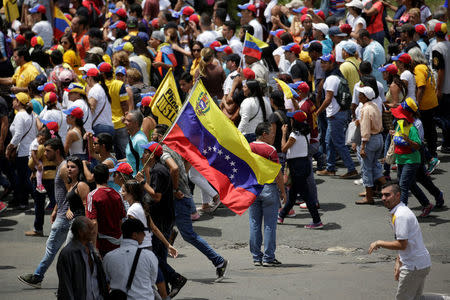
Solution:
(413, 261)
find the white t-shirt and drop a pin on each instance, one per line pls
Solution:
(137, 211)
(409, 77)
(57, 116)
(236, 45)
(299, 148)
(406, 227)
(23, 130)
(257, 28)
(353, 22)
(228, 83)
(331, 84)
(105, 118)
(252, 114)
(45, 31)
(283, 65)
(33, 146)
(87, 114)
(207, 37)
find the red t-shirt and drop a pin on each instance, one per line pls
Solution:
(265, 150)
(309, 108)
(376, 22)
(105, 205)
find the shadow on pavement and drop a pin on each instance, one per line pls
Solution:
(332, 206)
(7, 222)
(207, 231)
(432, 220)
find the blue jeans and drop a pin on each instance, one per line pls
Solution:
(39, 202)
(335, 140)
(407, 181)
(101, 128)
(184, 224)
(370, 166)
(120, 142)
(55, 240)
(264, 208)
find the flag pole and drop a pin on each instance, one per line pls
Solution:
(173, 124)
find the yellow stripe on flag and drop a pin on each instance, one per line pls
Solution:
(285, 88)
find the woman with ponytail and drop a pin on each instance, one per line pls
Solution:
(211, 73)
(99, 102)
(254, 109)
(23, 130)
(75, 145)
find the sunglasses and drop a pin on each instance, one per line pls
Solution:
(196, 50)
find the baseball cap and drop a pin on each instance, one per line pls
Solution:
(249, 74)
(87, 67)
(346, 28)
(127, 46)
(120, 12)
(36, 40)
(350, 47)
(143, 36)
(248, 6)
(328, 57)
(158, 35)
(335, 31)
(300, 86)
(74, 111)
(105, 67)
(440, 27)
(132, 22)
(154, 23)
(293, 47)
(214, 44)
(301, 10)
(50, 97)
(75, 88)
(367, 91)
(153, 147)
(403, 57)
(410, 105)
(51, 125)
(225, 48)
(66, 75)
(47, 87)
(122, 167)
(187, 10)
(277, 32)
(96, 50)
(22, 97)
(121, 70)
(390, 68)
(304, 17)
(194, 18)
(120, 25)
(20, 39)
(322, 27)
(92, 72)
(145, 101)
(420, 29)
(294, 4)
(298, 115)
(320, 13)
(38, 8)
(355, 3)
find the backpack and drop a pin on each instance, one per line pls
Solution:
(343, 97)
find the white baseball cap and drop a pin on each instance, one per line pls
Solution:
(321, 27)
(355, 3)
(87, 67)
(367, 91)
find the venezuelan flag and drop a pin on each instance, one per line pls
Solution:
(206, 138)
(253, 46)
(288, 92)
(60, 23)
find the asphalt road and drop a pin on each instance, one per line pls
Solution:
(325, 264)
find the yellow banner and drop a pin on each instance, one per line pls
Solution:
(166, 102)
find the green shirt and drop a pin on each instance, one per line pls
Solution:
(413, 157)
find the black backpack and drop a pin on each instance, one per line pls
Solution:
(344, 97)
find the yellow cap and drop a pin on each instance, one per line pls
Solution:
(23, 98)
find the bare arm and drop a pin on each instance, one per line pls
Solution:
(393, 245)
(326, 102)
(3, 132)
(92, 104)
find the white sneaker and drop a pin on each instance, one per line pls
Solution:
(358, 181)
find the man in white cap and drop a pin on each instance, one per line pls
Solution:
(320, 31)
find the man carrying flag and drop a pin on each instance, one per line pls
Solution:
(252, 56)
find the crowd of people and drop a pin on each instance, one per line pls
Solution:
(79, 138)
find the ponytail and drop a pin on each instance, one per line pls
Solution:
(29, 108)
(79, 124)
(100, 79)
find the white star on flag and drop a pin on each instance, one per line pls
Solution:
(232, 163)
(205, 151)
(227, 157)
(231, 176)
(214, 149)
(219, 152)
(235, 170)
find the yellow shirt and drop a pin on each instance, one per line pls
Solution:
(424, 77)
(194, 66)
(73, 60)
(24, 75)
(148, 62)
(349, 69)
(118, 95)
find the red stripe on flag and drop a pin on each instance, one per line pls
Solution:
(236, 199)
(252, 52)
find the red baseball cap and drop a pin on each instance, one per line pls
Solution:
(119, 24)
(304, 17)
(298, 115)
(104, 67)
(248, 6)
(248, 74)
(420, 29)
(51, 125)
(346, 28)
(215, 44)
(152, 146)
(20, 39)
(120, 12)
(50, 97)
(154, 23)
(74, 111)
(194, 18)
(300, 86)
(293, 47)
(403, 57)
(38, 8)
(146, 101)
(122, 167)
(92, 72)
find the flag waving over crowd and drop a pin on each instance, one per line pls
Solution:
(166, 102)
(253, 46)
(60, 23)
(206, 138)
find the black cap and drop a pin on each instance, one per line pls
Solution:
(407, 27)
(233, 57)
(132, 225)
(132, 22)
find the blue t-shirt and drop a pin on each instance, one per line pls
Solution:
(138, 139)
(374, 53)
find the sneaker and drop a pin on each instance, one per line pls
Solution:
(394, 167)
(31, 280)
(257, 263)
(314, 226)
(34, 233)
(280, 220)
(221, 271)
(439, 148)
(272, 263)
(440, 201)
(358, 181)
(195, 216)
(426, 211)
(434, 162)
(3, 206)
(291, 213)
(41, 189)
(214, 204)
(350, 175)
(326, 173)
(177, 285)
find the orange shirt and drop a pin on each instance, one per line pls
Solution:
(82, 42)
